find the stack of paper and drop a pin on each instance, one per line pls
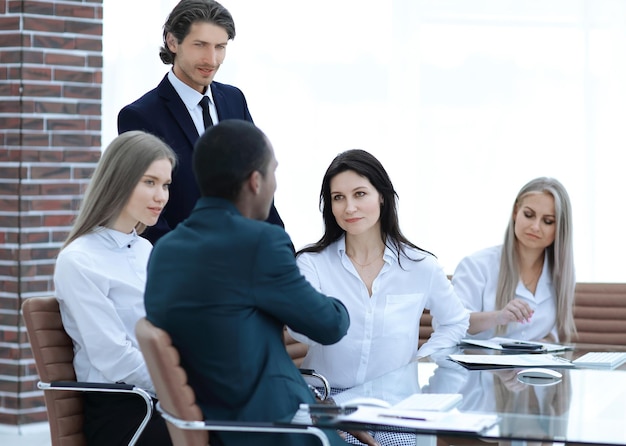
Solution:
(453, 421)
(477, 362)
(515, 345)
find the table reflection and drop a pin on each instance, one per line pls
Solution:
(586, 405)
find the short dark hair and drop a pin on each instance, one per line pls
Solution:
(188, 12)
(226, 155)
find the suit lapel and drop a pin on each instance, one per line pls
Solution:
(221, 104)
(177, 108)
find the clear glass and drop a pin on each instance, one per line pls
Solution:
(585, 406)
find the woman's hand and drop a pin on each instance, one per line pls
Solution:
(516, 310)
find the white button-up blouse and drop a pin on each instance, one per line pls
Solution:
(100, 280)
(384, 328)
(475, 281)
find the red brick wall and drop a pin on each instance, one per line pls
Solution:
(50, 107)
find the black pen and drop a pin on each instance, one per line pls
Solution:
(401, 417)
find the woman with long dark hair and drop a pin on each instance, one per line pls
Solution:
(384, 280)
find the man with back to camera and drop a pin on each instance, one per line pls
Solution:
(195, 36)
(223, 284)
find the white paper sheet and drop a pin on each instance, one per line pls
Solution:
(442, 421)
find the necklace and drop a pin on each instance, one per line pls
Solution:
(363, 265)
(533, 279)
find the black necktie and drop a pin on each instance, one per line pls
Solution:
(206, 116)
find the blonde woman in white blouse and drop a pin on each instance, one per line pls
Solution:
(100, 276)
(524, 288)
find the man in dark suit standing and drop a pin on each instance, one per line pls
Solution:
(223, 284)
(195, 37)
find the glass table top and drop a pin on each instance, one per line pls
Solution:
(585, 406)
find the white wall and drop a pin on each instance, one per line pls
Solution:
(462, 101)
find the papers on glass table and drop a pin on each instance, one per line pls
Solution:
(453, 421)
(428, 412)
(426, 402)
(515, 345)
(479, 362)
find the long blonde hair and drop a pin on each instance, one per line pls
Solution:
(560, 257)
(120, 168)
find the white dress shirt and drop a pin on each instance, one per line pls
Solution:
(384, 328)
(100, 280)
(191, 98)
(475, 281)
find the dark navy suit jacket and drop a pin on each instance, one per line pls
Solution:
(223, 286)
(162, 112)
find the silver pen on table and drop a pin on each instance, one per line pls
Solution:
(402, 417)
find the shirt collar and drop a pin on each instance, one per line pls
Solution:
(188, 95)
(543, 283)
(389, 255)
(119, 239)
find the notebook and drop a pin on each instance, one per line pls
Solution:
(453, 421)
(608, 360)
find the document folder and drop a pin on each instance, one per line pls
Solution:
(481, 362)
(510, 345)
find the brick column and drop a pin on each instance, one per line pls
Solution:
(50, 106)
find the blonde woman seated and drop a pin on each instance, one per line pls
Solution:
(100, 276)
(524, 289)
